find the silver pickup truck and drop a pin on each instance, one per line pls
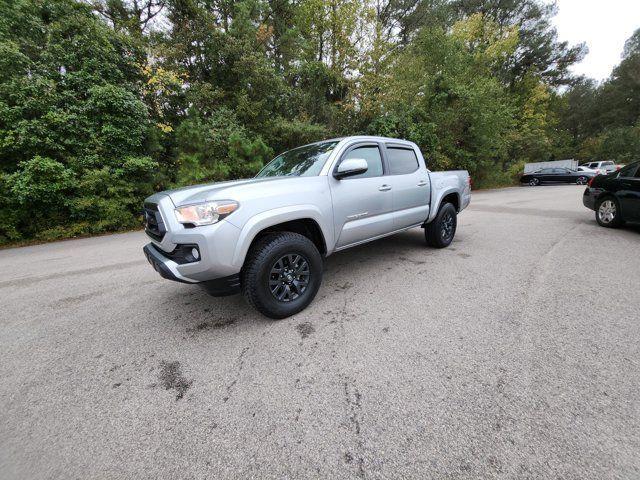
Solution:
(267, 236)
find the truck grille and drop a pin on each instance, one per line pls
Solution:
(153, 224)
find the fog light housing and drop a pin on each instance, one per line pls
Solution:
(184, 253)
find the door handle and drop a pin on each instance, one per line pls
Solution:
(384, 188)
(422, 183)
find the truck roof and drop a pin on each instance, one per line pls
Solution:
(366, 137)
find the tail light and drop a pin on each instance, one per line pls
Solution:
(590, 181)
(469, 181)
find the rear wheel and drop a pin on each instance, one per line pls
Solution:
(440, 232)
(282, 274)
(534, 182)
(582, 180)
(608, 212)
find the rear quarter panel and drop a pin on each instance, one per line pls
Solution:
(445, 183)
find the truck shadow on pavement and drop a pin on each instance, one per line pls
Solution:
(202, 312)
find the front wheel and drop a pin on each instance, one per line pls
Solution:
(440, 232)
(534, 182)
(282, 274)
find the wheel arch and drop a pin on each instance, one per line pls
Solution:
(305, 220)
(450, 195)
(604, 195)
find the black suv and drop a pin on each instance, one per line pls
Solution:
(615, 197)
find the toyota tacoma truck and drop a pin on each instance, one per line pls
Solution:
(266, 237)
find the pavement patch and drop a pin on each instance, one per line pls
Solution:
(172, 378)
(305, 329)
(212, 325)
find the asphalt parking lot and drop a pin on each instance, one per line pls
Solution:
(512, 354)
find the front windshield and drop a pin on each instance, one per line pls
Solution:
(304, 161)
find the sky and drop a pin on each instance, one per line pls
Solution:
(604, 25)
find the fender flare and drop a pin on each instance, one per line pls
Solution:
(438, 201)
(269, 218)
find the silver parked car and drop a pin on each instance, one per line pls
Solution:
(601, 168)
(266, 237)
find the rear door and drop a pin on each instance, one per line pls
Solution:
(568, 176)
(409, 179)
(629, 192)
(362, 204)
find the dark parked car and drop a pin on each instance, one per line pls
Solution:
(615, 197)
(556, 175)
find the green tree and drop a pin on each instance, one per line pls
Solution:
(603, 121)
(104, 101)
(441, 94)
(68, 108)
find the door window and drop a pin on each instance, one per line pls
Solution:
(402, 160)
(628, 172)
(371, 153)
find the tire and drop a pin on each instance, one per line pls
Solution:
(608, 212)
(440, 232)
(274, 272)
(534, 182)
(582, 180)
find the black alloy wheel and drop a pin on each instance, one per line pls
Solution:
(289, 277)
(440, 231)
(447, 228)
(281, 274)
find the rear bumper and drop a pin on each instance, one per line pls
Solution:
(589, 198)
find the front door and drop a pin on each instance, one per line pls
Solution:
(362, 204)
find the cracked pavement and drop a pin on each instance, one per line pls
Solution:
(512, 354)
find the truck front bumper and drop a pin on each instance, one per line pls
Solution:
(168, 268)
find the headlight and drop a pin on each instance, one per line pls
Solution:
(206, 213)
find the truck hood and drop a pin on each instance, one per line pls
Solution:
(231, 190)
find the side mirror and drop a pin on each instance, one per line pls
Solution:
(351, 167)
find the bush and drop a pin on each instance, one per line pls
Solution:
(35, 198)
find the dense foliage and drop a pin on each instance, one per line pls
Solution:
(104, 102)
